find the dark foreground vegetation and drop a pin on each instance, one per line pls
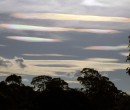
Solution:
(47, 93)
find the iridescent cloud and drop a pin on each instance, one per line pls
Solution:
(32, 39)
(120, 47)
(55, 29)
(57, 16)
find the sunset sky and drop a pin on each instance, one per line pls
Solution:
(58, 38)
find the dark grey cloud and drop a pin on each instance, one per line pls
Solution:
(20, 62)
(56, 65)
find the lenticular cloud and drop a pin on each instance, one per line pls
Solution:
(32, 39)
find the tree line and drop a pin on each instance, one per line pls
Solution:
(45, 92)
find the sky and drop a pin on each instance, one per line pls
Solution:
(59, 38)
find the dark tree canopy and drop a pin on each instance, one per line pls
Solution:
(14, 79)
(58, 83)
(99, 88)
(40, 83)
(93, 81)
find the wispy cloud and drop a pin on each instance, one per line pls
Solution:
(56, 29)
(106, 48)
(106, 3)
(1, 45)
(49, 55)
(124, 53)
(33, 39)
(71, 17)
(94, 3)
(103, 59)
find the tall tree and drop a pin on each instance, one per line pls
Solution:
(40, 83)
(99, 89)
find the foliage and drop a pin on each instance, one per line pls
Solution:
(14, 79)
(42, 83)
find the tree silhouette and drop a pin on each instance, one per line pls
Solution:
(58, 83)
(98, 88)
(98, 93)
(40, 83)
(14, 79)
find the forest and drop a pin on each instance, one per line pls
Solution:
(45, 92)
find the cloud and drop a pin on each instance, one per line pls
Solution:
(107, 3)
(20, 62)
(103, 59)
(124, 53)
(56, 29)
(49, 55)
(1, 45)
(33, 39)
(94, 3)
(107, 48)
(4, 62)
(70, 17)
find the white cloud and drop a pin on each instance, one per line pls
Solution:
(94, 3)
(124, 53)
